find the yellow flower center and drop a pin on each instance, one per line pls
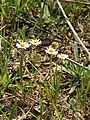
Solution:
(22, 44)
(62, 55)
(35, 41)
(51, 49)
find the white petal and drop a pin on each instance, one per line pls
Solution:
(47, 51)
(60, 56)
(55, 52)
(27, 45)
(24, 47)
(36, 44)
(51, 53)
(18, 45)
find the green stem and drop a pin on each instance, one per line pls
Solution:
(51, 65)
(61, 65)
(21, 65)
(36, 55)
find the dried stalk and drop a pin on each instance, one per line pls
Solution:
(2, 27)
(73, 30)
(77, 64)
(74, 62)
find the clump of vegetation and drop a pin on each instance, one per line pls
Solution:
(44, 60)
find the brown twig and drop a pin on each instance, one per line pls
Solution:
(77, 64)
(74, 62)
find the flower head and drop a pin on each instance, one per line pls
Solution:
(22, 45)
(54, 44)
(35, 42)
(63, 56)
(51, 50)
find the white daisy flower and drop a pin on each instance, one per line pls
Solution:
(22, 45)
(35, 42)
(63, 56)
(52, 51)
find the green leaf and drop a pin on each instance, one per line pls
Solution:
(18, 3)
(22, 32)
(22, 7)
(4, 79)
(87, 90)
(3, 11)
(46, 13)
(12, 111)
(73, 87)
(19, 86)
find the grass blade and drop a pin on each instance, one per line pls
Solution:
(12, 111)
(87, 90)
(76, 51)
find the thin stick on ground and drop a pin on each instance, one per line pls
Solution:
(77, 64)
(73, 30)
(74, 62)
